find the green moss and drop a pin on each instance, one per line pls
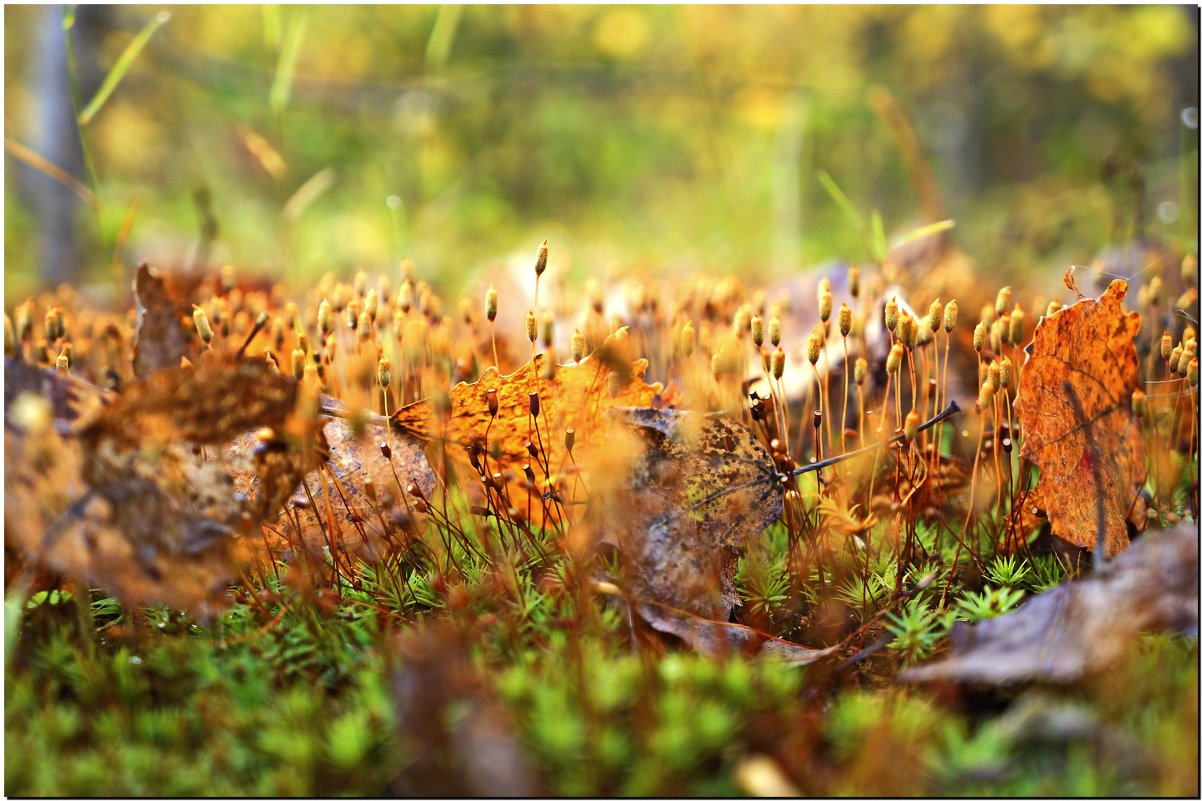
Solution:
(282, 697)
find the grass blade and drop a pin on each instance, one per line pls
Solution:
(122, 66)
(281, 86)
(268, 157)
(442, 36)
(51, 170)
(880, 245)
(308, 193)
(925, 231)
(272, 26)
(840, 199)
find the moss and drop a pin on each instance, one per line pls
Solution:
(283, 697)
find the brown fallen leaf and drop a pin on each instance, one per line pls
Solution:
(52, 522)
(1081, 627)
(210, 402)
(69, 398)
(1077, 422)
(163, 337)
(701, 487)
(568, 397)
(139, 452)
(358, 498)
(721, 639)
(135, 503)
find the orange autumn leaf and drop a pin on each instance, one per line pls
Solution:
(1077, 422)
(572, 397)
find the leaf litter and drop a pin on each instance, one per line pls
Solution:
(1078, 424)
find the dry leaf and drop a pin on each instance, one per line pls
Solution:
(135, 504)
(141, 452)
(1081, 627)
(163, 337)
(721, 639)
(701, 487)
(69, 398)
(53, 522)
(211, 402)
(1077, 422)
(575, 397)
(358, 498)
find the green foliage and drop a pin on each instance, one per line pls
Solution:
(764, 582)
(1047, 570)
(485, 127)
(122, 65)
(1008, 571)
(917, 629)
(989, 603)
(291, 699)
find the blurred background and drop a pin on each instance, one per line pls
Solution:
(291, 141)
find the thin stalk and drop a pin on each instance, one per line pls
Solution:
(880, 429)
(826, 392)
(818, 432)
(997, 466)
(843, 421)
(492, 328)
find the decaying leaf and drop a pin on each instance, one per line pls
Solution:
(139, 453)
(69, 398)
(53, 522)
(701, 487)
(139, 503)
(359, 497)
(1078, 426)
(1081, 627)
(163, 337)
(722, 639)
(211, 402)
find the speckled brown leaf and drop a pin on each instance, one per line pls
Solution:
(145, 456)
(163, 334)
(91, 543)
(1077, 423)
(335, 503)
(144, 502)
(701, 487)
(210, 402)
(70, 398)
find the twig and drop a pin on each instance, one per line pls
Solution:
(951, 409)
